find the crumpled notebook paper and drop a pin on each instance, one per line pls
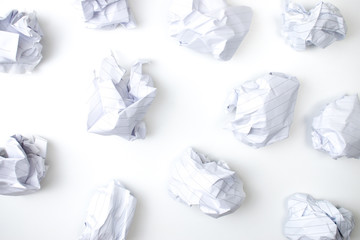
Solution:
(20, 47)
(197, 180)
(264, 109)
(119, 100)
(320, 26)
(337, 129)
(209, 26)
(107, 14)
(110, 213)
(313, 219)
(22, 165)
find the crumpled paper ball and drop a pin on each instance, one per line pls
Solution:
(107, 14)
(320, 26)
(110, 213)
(197, 180)
(337, 128)
(209, 26)
(119, 101)
(22, 165)
(264, 109)
(313, 219)
(20, 37)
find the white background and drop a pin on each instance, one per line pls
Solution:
(188, 111)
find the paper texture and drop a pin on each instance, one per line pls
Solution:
(106, 14)
(264, 109)
(197, 180)
(119, 101)
(337, 129)
(313, 219)
(20, 47)
(320, 26)
(110, 213)
(22, 165)
(209, 26)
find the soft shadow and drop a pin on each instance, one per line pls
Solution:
(135, 7)
(151, 117)
(52, 173)
(48, 39)
(136, 223)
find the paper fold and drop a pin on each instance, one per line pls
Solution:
(197, 180)
(106, 14)
(110, 213)
(22, 165)
(336, 130)
(119, 101)
(313, 219)
(264, 109)
(20, 47)
(209, 26)
(320, 26)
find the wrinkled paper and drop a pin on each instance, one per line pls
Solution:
(119, 100)
(107, 14)
(320, 26)
(313, 219)
(110, 213)
(197, 180)
(22, 165)
(209, 26)
(264, 109)
(337, 129)
(20, 47)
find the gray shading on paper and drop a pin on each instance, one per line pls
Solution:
(320, 26)
(106, 14)
(209, 26)
(20, 47)
(119, 100)
(313, 219)
(264, 109)
(197, 180)
(110, 213)
(22, 165)
(336, 130)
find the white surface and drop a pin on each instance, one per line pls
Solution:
(188, 111)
